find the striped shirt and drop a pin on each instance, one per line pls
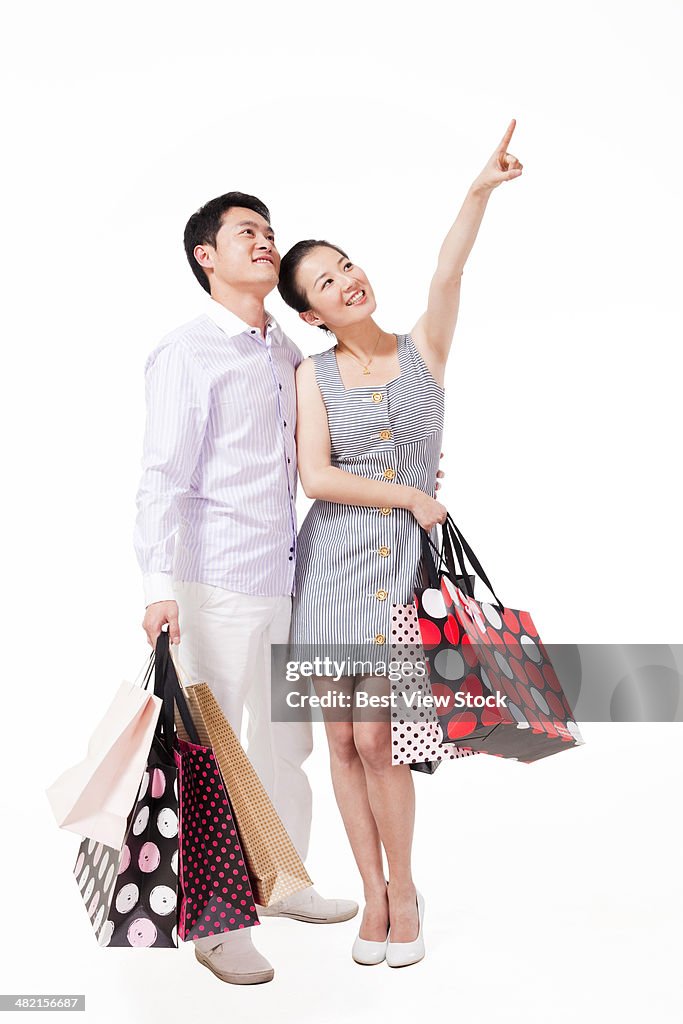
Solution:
(216, 501)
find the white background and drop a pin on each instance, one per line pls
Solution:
(552, 890)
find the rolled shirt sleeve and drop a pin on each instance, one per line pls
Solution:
(177, 392)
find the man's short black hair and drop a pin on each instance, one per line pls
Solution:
(204, 225)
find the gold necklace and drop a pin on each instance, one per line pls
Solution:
(366, 366)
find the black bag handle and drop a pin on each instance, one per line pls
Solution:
(167, 686)
(428, 558)
(435, 571)
(453, 537)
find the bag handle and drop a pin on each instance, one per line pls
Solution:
(436, 570)
(428, 558)
(181, 672)
(453, 538)
(145, 673)
(167, 686)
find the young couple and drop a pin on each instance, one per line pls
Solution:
(216, 534)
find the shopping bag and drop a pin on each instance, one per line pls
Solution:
(94, 797)
(131, 894)
(498, 690)
(275, 868)
(216, 890)
(416, 735)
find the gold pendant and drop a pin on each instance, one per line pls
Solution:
(366, 371)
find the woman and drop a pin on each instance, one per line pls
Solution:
(370, 421)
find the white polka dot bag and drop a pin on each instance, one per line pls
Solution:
(416, 735)
(131, 894)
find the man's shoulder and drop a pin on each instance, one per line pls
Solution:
(292, 348)
(184, 340)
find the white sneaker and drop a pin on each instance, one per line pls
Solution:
(402, 954)
(237, 963)
(311, 907)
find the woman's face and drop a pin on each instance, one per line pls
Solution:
(338, 291)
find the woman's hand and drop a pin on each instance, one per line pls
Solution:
(433, 332)
(428, 511)
(501, 166)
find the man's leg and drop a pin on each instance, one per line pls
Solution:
(278, 750)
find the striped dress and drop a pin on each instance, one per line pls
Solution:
(354, 562)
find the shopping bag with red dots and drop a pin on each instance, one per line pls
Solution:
(216, 890)
(416, 735)
(492, 678)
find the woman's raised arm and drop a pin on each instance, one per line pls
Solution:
(433, 332)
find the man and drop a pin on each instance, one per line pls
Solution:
(216, 527)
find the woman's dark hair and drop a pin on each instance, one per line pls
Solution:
(288, 287)
(204, 225)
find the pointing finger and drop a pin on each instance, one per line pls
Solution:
(506, 138)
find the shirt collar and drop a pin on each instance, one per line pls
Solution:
(232, 325)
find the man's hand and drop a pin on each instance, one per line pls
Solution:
(439, 476)
(156, 616)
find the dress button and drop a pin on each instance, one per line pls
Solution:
(385, 434)
(390, 473)
(384, 552)
(385, 511)
(377, 396)
(380, 638)
(381, 595)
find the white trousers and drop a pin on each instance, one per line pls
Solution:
(225, 640)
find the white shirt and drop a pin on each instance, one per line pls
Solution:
(216, 502)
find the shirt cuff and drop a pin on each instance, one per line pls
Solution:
(158, 586)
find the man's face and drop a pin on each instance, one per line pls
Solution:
(245, 256)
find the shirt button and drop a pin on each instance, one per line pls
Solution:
(288, 459)
(291, 558)
(384, 552)
(377, 396)
(253, 332)
(285, 422)
(390, 473)
(381, 595)
(280, 386)
(385, 511)
(380, 638)
(385, 434)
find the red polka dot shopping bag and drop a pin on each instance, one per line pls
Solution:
(215, 888)
(494, 686)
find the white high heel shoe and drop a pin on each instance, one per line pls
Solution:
(368, 951)
(365, 951)
(402, 954)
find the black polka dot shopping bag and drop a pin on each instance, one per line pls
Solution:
(493, 683)
(130, 891)
(180, 872)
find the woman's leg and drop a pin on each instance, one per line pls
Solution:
(391, 796)
(348, 781)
